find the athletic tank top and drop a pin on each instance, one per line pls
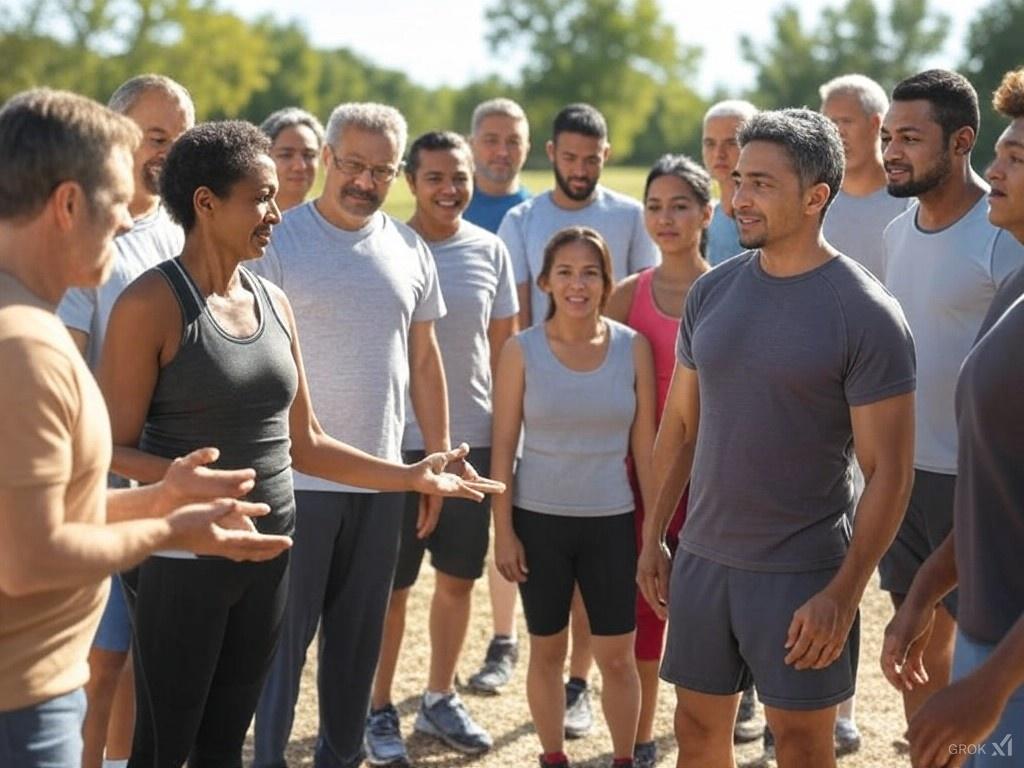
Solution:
(230, 393)
(660, 329)
(576, 429)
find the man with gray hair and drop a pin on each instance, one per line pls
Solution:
(163, 110)
(720, 151)
(863, 208)
(500, 140)
(296, 140)
(772, 574)
(365, 289)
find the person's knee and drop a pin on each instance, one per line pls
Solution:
(804, 733)
(105, 669)
(615, 661)
(398, 601)
(547, 653)
(452, 588)
(695, 727)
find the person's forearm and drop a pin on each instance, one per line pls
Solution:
(502, 460)
(936, 577)
(878, 517)
(136, 503)
(429, 394)
(321, 455)
(138, 465)
(671, 465)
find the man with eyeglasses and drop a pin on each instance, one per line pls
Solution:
(364, 289)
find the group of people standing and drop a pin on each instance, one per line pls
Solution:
(758, 397)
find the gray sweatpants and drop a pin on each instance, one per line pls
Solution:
(343, 561)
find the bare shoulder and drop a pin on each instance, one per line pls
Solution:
(621, 299)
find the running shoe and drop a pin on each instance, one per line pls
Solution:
(448, 720)
(747, 727)
(382, 738)
(579, 718)
(847, 736)
(645, 754)
(499, 664)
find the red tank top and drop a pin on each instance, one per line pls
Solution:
(660, 329)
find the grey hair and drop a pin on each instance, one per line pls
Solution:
(740, 108)
(499, 106)
(809, 139)
(130, 91)
(872, 97)
(290, 117)
(368, 116)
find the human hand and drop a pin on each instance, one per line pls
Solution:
(428, 516)
(431, 476)
(510, 556)
(188, 480)
(818, 632)
(652, 576)
(224, 528)
(906, 637)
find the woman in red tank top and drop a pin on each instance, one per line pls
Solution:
(677, 212)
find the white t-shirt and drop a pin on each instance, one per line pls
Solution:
(475, 274)
(945, 281)
(527, 228)
(854, 225)
(355, 296)
(152, 239)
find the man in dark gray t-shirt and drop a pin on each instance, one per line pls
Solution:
(788, 356)
(981, 556)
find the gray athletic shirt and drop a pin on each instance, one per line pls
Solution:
(945, 281)
(576, 428)
(780, 361)
(988, 511)
(854, 225)
(527, 228)
(151, 240)
(475, 275)
(355, 295)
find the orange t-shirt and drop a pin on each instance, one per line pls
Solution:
(54, 431)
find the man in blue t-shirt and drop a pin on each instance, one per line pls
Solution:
(500, 139)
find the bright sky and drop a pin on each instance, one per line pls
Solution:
(442, 42)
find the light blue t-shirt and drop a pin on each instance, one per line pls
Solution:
(487, 211)
(475, 274)
(355, 296)
(723, 237)
(527, 228)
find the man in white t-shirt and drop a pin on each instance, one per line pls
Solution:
(163, 110)
(863, 208)
(578, 150)
(944, 261)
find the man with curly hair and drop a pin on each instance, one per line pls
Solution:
(975, 718)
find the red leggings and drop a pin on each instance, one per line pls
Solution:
(650, 629)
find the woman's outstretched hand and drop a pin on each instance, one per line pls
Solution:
(447, 473)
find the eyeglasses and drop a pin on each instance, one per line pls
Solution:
(381, 174)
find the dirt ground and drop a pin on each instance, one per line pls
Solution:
(507, 717)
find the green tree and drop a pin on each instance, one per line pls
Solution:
(992, 49)
(616, 54)
(854, 37)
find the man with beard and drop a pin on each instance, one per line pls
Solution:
(364, 288)
(944, 261)
(500, 140)
(163, 110)
(578, 150)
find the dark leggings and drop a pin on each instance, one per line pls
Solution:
(205, 631)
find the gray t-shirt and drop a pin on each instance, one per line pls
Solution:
(475, 275)
(854, 225)
(945, 282)
(527, 228)
(355, 295)
(988, 512)
(576, 427)
(723, 237)
(151, 240)
(780, 362)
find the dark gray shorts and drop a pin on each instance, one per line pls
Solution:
(928, 521)
(727, 629)
(458, 545)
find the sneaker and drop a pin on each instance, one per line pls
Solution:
(645, 754)
(847, 736)
(747, 728)
(578, 716)
(563, 763)
(500, 662)
(382, 738)
(448, 720)
(769, 744)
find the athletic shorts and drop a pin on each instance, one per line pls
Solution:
(598, 553)
(115, 630)
(727, 629)
(458, 545)
(928, 521)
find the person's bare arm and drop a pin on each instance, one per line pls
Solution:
(427, 387)
(672, 463)
(641, 436)
(525, 310)
(883, 437)
(507, 419)
(81, 339)
(499, 330)
(621, 300)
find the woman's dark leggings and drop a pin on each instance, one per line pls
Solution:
(205, 632)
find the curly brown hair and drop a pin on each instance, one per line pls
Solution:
(1008, 98)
